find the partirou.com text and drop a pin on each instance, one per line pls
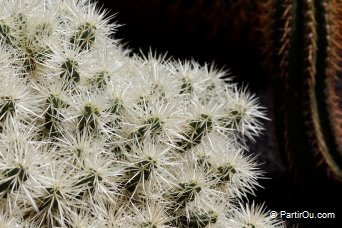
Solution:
(305, 214)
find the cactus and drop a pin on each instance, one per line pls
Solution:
(95, 136)
(303, 41)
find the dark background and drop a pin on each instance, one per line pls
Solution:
(220, 32)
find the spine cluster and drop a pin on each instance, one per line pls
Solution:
(92, 135)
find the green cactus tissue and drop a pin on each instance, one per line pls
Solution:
(92, 135)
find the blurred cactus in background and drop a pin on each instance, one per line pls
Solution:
(302, 40)
(95, 136)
